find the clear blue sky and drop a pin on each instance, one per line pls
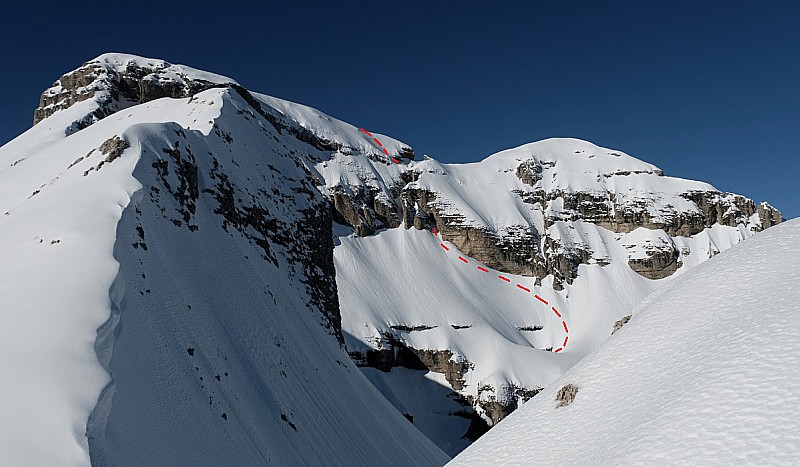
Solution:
(704, 90)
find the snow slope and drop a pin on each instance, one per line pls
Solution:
(405, 278)
(58, 230)
(705, 373)
(200, 251)
(178, 277)
(400, 279)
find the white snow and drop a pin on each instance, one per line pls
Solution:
(288, 391)
(484, 193)
(57, 270)
(705, 373)
(119, 62)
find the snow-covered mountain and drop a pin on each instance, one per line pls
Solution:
(168, 292)
(705, 373)
(538, 251)
(236, 250)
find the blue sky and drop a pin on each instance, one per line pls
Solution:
(704, 90)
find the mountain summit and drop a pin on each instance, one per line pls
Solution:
(200, 273)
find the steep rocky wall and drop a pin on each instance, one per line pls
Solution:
(524, 250)
(115, 90)
(487, 409)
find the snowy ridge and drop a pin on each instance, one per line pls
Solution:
(566, 165)
(702, 374)
(185, 340)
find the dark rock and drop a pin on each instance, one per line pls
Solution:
(619, 323)
(566, 395)
(662, 261)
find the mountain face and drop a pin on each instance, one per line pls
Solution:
(703, 374)
(214, 265)
(169, 290)
(538, 250)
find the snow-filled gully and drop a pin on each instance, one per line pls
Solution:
(521, 287)
(480, 268)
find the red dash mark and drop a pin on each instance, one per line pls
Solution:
(481, 268)
(556, 312)
(523, 288)
(395, 160)
(462, 259)
(366, 132)
(505, 278)
(565, 326)
(435, 232)
(386, 151)
(558, 350)
(377, 142)
(448, 249)
(542, 300)
(565, 341)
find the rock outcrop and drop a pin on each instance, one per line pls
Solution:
(620, 322)
(484, 410)
(119, 85)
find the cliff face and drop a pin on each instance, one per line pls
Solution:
(114, 82)
(575, 219)
(528, 248)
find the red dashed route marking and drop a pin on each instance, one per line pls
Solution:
(380, 145)
(507, 280)
(465, 261)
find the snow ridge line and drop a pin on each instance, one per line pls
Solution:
(520, 287)
(380, 146)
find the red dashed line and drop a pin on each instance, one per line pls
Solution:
(380, 145)
(520, 286)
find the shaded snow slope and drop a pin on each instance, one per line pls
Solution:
(221, 322)
(704, 373)
(57, 232)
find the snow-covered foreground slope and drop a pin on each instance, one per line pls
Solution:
(705, 373)
(176, 256)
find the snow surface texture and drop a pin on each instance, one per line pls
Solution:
(217, 353)
(705, 373)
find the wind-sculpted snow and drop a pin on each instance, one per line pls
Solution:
(221, 334)
(705, 373)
